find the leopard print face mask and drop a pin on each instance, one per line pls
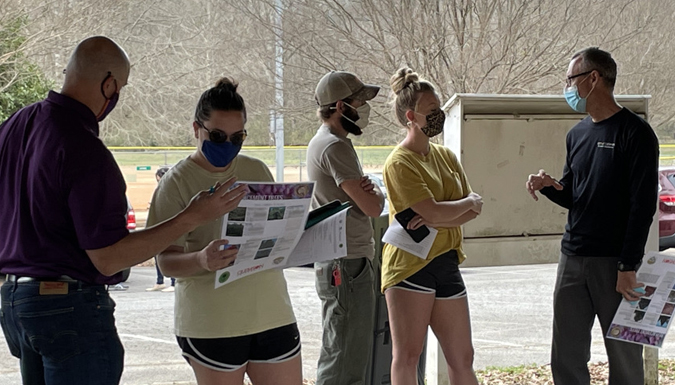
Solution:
(435, 122)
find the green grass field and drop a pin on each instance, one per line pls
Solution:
(293, 156)
(667, 155)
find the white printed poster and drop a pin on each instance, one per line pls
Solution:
(265, 227)
(647, 320)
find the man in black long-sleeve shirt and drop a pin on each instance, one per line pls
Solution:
(610, 186)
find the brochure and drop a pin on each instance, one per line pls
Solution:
(270, 222)
(647, 320)
(397, 236)
(322, 242)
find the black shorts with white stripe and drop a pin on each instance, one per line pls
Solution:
(229, 354)
(441, 277)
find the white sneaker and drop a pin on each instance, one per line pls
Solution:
(169, 289)
(157, 287)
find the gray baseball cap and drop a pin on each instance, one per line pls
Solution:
(339, 85)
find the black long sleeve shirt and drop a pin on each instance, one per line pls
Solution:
(610, 187)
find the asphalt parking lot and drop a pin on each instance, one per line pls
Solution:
(510, 311)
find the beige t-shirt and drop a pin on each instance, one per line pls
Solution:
(410, 179)
(249, 305)
(331, 160)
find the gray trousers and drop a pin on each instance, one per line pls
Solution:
(586, 287)
(348, 313)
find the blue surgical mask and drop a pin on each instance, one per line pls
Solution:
(575, 101)
(219, 154)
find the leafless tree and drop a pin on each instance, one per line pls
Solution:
(477, 46)
(179, 48)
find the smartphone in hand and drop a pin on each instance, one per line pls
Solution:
(406, 216)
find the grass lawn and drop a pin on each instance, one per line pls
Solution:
(667, 152)
(293, 156)
(371, 157)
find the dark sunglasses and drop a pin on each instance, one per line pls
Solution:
(217, 136)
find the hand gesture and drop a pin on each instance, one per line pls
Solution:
(539, 181)
(215, 257)
(476, 202)
(209, 205)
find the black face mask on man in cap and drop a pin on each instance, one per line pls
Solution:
(348, 119)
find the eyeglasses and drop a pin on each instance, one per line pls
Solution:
(217, 136)
(569, 78)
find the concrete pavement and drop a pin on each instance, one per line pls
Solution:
(510, 311)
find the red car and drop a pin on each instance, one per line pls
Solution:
(666, 207)
(131, 217)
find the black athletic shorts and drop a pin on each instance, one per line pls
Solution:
(441, 277)
(230, 354)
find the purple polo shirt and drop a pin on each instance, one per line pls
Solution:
(61, 192)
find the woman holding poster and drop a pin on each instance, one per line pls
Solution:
(247, 326)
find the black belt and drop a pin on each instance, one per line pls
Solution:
(63, 278)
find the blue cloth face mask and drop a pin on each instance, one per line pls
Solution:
(220, 154)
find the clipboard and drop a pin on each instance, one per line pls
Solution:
(329, 209)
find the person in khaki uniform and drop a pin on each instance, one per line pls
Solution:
(345, 286)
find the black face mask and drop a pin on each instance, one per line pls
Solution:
(351, 127)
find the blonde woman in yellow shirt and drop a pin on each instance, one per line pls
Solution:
(427, 292)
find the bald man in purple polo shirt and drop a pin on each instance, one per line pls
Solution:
(63, 233)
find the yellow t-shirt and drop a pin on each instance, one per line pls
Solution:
(249, 305)
(411, 178)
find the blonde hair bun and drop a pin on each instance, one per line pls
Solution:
(403, 78)
(406, 88)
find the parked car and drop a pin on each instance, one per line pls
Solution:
(131, 226)
(131, 217)
(666, 207)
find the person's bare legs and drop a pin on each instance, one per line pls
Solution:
(451, 324)
(277, 373)
(208, 376)
(409, 316)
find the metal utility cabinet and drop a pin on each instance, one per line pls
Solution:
(500, 140)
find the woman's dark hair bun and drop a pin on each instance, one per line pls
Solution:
(221, 97)
(227, 84)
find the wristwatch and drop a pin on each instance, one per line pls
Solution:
(628, 266)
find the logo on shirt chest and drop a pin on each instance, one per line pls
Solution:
(605, 145)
